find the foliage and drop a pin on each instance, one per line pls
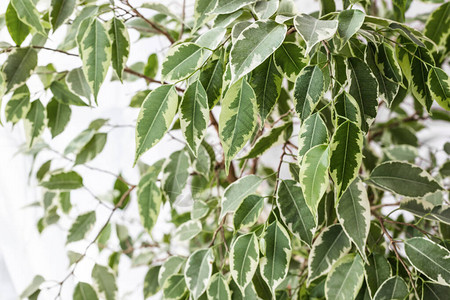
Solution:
(338, 95)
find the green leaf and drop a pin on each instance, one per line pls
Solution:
(346, 155)
(182, 60)
(353, 212)
(401, 152)
(105, 282)
(419, 77)
(32, 287)
(61, 93)
(238, 28)
(69, 41)
(120, 47)
(28, 14)
(404, 179)
(265, 9)
(350, 21)
(238, 119)
(248, 212)
(64, 181)
(429, 258)
(347, 108)
(91, 149)
(194, 115)
(81, 227)
(211, 79)
(174, 288)
(198, 271)
(151, 68)
(170, 267)
(377, 271)
(387, 63)
(313, 132)
(313, 30)
(266, 82)
(244, 258)
(200, 209)
(218, 288)
(151, 285)
(202, 12)
(95, 52)
(236, 192)
(434, 291)
(212, 38)
(60, 11)
(58, 115)
(254, 45)
(155, 117)
(84, 291)
(35, 119)
(77, 83)
(439, 85)
(229, 6)
(345, 278)
(188, 230)
(438, 24)
(248, 293)
(393, 288)
(331, 244)
(149, 202)
(308, 90)
(364, 88)
(18, 106)
(17, 29)
(294, 212)
(19, 66)
(79, 142)
(175, 175)
(276, 247)
(290, 60)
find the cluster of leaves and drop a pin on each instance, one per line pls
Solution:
(313, 84)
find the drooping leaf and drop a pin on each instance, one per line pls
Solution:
(77, 83)
(194, 115)
(218, 288)
(345, 278)
(105, 281)
(248, 211)
(345, 155)
(60, 11)
(404, 179)
(308, 90)
(84, 291)
(149, 202)
(313, 30)
(419, 76)
(429, 258)
(28, 14)
(439, 85)
(92, 148)
(120, 48)
(276, 247)
(393, 288)
(81, 227)
(353, 211)
(387, 63)
(211, 79)
(254, 45)
(35, 119)
(236, 192)
(63, 181)
(17, 107)
(202, 12)
(58, 115)
(244, 258)
(155, 117)
(61, 93)
(294, 211)
(377, 272)
(69, 41)
(17, 29)
(182, 60)
(438, 24)
(313, 132)
(151, 284)
(349, 22)
(19, 66)
(238, 119)
(314, 175)
(198, 271)
(289, 59)
(175, 175)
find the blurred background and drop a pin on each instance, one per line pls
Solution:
(24, 252)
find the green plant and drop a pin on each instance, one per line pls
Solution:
(314, 84)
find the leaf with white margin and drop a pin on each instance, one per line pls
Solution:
(84, 291)
(182, 60)
(19, 66)
(248, 293)
(313, 132)
(18, 30)
(188, 230)
(290, 59)
(238, 119)
(347, 108)
(218, 288)
(174, 287)
(120, 48)
(95, 51)
(155, 117)
(62, 93)
(345, 155)
(404, 152)
(420, 68)
(353, 212)
(266, 8)
(212, 38)
(294, 212)
(229, 6)
(35, 120)
(81, 227)
(211, 79)
(308, 90)
(392, 289)
(149, 203)
(439, 85)
(387, 63)
(238, 28)
(314, 175)
(28, 14)
(58, 115)
(248, 212)
(202, 12)
(105, 282)
(77, 83)
(63, 181)
(244, 258)
(254, 45)
(236, 192)
(429, 258)
(404, 179)
(350, 21)
(275, 245)
(175, 175)
(18, 105)
(194, 115)
(434, 291)
(170, 267)
(345, 278)
(313, 30)
(330, 245)
(198, 271)
(377, 271)
(60, 11)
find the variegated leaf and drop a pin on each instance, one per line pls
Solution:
(81, 227)
(211, 79)
(156, 116)
(387, 63)
(345, 278)
(188, 230)
(393, 288)
(419, 77)
(35, 119)
(349, 22)
(170, 267)
(174, 287)
(19, 66)
(295, 213)
(347, 108)
(77, 83)
(58, 115)
(313, 132)
(198, 271)
(244, 258)
(238, 119)
(28, 14)
(120, 47)
(18, 105)
(175, 175)
(17, 29)
(212, 38)
(60, 11)
(194, 115)
(313, 30)
(149, 203)
(248, 211)
(61, 93)
(229, 6)
(377, 271)
(308, 90)
(105, 281)
(290, 60)
(218, 288)
(182, 60)
(439, 85)
(265, 9)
